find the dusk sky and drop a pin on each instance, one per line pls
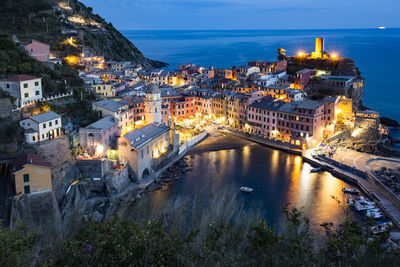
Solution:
(247, 14)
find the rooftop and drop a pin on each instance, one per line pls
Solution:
(104, 123)
(330, 99)
(111, 105)
(20, 78)
(139, 137)
(31, 159)
(47, 116)
(267, 103)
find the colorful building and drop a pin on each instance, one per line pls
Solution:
(31, 174)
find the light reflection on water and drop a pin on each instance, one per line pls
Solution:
(277, 178)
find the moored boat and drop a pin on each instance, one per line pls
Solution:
(375, 215)
(246, 189)
(319, 169)
(350, 191)
(380, 228)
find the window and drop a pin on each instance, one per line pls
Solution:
(25, 85)
(26, 95)
(50, 124)
(36, 83)
(27, 189)
(56, 121)
(44, 125)
(37, 93)
(26, 178)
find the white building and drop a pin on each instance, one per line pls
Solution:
(143, 148)
(41, 127)
(153, 104)
(243, 72)
(24, 88)
(295, 95)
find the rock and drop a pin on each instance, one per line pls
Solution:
(97, 216)
(389, 122)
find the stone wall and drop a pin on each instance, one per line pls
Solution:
(93, 168)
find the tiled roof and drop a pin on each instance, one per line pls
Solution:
(139, 137)
(267, 103)
(308, 104)
(47, 116)
(32, 159)
(20, 78)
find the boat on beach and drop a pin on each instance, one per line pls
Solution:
(246, 189)
(350, 191)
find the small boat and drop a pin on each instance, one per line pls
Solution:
(380, 228)
(246, 189)
(316, 169)
(381, 27)
(164, 188)
(374, 210)
(350, 191)
(375, 215)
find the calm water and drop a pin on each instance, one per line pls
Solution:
(277, 178)
(376, 53)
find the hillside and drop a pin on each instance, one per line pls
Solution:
(54, 22)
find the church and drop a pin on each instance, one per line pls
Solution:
(146, 149)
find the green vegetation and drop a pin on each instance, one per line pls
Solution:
(80, 109)
(188, 234)
(39, 20)
(14, 60)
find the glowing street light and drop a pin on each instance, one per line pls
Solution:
(301, 53)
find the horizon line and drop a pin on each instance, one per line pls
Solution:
(306, 29)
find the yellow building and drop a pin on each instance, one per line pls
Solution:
(31, 174)
(103, 89)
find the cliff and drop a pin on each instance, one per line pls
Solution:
(53, 22)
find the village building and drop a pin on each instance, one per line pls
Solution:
(143, 149)
(243, 72)
(31, 174)
(41, 127)
(262, 117)
(118, 110)
(24, 88)
(303, 78)
(37, 50)
(99, 137)
(301, 123)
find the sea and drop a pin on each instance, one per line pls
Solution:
(376, 53)
(276, 176)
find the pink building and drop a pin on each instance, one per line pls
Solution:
(303, 78)
(262, 117)
(38, 50)
(301, 123)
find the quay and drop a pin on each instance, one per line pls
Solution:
(353, 167)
